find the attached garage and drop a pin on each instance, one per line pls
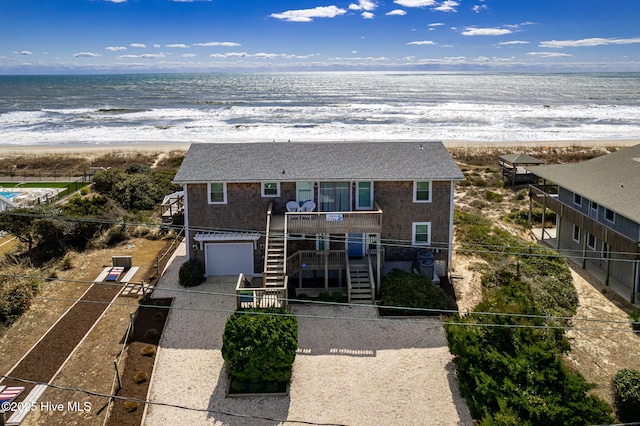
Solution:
(225, 257)
(228, 259)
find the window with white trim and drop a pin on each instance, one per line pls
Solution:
(217, 192)
(576, 233)
(422, 191)
(270, 189)
(609, 215)
(304, 192)
(577, 200)
(591, 241)
(421, 233)
(364, 195)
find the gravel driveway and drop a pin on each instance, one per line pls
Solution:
(352, 367)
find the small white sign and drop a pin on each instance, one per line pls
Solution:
(336, 217)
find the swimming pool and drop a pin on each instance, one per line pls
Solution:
(8, 194)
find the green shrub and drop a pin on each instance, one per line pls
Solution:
(493, 196)
(337, 297)
(271, 387)
(260, 345)
(255, 387)
(399, 288)
(239, 385)
(116, 235)
(626, 393)
(191, 273)
(510, 368)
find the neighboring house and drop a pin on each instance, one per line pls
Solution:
(597, 206)
(327, 216)
(514, 168)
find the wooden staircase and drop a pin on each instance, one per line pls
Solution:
(275, 257)
(360, 282)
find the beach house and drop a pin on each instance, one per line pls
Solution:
(301, 217)
(597, 206)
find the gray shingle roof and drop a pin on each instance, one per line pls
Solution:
(612, 180)
(520, 159)
(325, 161)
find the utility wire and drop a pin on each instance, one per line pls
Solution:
(377, 319)
(164, 404)
(387, 242)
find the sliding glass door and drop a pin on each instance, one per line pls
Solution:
(334, 197)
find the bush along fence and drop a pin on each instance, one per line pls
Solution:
(510, 367)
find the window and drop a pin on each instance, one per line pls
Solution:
(577, 200)
(422, 192)
(576, 233)
(591, 241)
(270, 189)
(304, 192)
(364, 195)
(335, 197)
(217, 193)
(594, 210)
(609, 215)
(421, 233)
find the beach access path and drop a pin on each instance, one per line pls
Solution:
(352, 367)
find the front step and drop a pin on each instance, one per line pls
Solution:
(360, 284)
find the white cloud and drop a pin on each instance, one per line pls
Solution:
(478, 7)
(115, 48)
(307, 15)
(473, 31)
(587, 42)
(367, 15)
(363, 5)
(178, 46)
(143, 56)
(187, 55)
(548, 54)
(157, 46)
(396, 12)
(117, 1)
(447, 6)
(229, 55)
(436, 24)
(422, 43)
(505, 43)
(415, 3)
(137, 45)
(86, 55)
(218, 43)
(26, 52)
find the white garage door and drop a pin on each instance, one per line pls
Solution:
(229, 259)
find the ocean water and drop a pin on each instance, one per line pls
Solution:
(483, 107)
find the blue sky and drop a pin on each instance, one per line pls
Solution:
(102, 36)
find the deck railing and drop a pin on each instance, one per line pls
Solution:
(259, 297)
(314, 260)
(335, 222)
